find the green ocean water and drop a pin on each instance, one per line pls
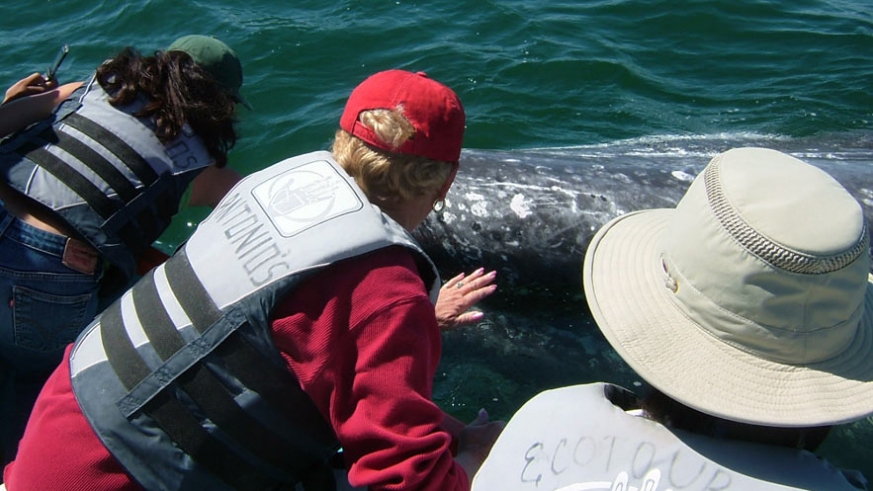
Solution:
(531, 74)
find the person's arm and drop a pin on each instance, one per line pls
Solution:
(362, 339)
(476, 440)
(452, 425)
(23, 111)
(390, 429)
(211, 185)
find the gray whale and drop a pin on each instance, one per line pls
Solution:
(530, 214)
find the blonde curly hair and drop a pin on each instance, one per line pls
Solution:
(388, 177)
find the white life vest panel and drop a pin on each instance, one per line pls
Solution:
(575, 439)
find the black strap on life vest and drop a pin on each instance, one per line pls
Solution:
(313, 444)
(35, 150)
(151, 219)
(125, 153)
(169, 414)
(96, 162)
(274, 383)
(161, 204)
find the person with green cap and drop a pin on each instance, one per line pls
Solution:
(91, 173)
(218, 59)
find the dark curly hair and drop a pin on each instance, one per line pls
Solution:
(178, 92)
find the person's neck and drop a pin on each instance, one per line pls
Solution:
(657, 406)
(408, 213)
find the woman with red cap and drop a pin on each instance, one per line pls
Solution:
(296, 330)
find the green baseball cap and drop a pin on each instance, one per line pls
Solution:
(216, 58)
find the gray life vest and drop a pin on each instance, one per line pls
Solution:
(574, 439)
(180, 378)
(104, 172)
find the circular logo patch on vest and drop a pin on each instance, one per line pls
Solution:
(304, 196)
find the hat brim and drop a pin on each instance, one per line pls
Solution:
(242, 100)
(625, 288)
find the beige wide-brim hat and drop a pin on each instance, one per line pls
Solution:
(751, 300)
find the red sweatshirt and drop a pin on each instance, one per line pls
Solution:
(364, 343)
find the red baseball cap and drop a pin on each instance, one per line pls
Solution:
(433, 109)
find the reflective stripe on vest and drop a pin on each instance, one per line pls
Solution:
(574, 439)
(105, 172)
(180, 378)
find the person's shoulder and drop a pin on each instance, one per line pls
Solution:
(392, 267)
(366, 283)
(390, 270)
(392, 256)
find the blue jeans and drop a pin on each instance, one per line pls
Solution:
(43, 307)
